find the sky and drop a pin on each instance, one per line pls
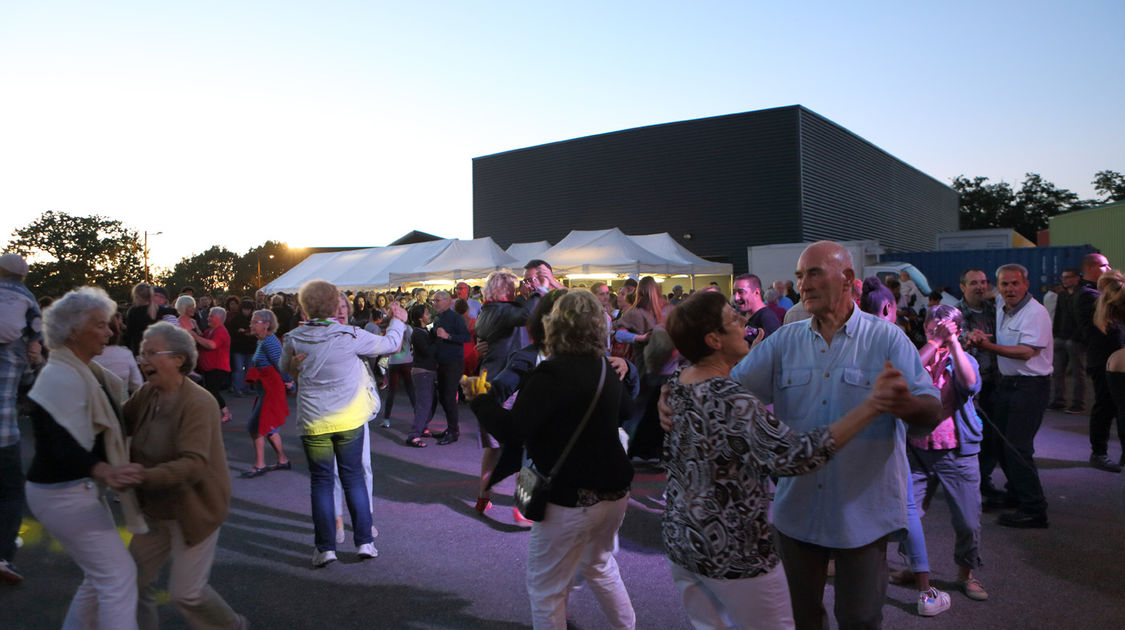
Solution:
(336, 123)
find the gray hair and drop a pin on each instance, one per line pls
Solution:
(440, 294)
(183, 302)
(772, 295)
(72, 311)
(178, 342)
(269, 317)
(1016, 267)
(217, 310)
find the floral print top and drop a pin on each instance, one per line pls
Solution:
(720, 452)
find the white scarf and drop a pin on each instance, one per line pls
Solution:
(72, 392)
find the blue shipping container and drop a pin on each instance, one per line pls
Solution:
(1044, 264)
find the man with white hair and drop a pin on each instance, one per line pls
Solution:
(20, 337)
(1024, 348)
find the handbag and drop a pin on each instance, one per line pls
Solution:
(532, 487)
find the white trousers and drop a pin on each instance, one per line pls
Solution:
(338, 490)
(78, 517)
(200, 605)
(746, 604)
(577, 538)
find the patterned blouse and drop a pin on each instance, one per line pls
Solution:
(722, 449)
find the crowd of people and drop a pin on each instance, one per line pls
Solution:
(836, 406)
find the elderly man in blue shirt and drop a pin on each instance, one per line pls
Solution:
(814, 372)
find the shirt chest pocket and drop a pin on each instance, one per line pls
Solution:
(795, 393)
(858, 377)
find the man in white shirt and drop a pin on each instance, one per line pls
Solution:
(1024, 348)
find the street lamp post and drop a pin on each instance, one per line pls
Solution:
(260, 269)
(146, 253)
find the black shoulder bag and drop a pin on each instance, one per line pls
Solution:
(532, 488)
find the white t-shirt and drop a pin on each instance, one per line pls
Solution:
(1030, 325)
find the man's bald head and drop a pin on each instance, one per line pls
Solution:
(824, 278)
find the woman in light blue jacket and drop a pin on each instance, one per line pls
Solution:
(335, 398)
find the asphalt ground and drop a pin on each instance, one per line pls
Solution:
(441, 565)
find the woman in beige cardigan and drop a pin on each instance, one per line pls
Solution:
(185, 491)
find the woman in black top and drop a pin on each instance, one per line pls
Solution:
(242, 344)
(1109, 318)
(423, 373)
(588, 496)
(79, 451)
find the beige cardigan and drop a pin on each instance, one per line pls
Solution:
(181, 448)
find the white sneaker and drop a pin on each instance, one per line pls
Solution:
(367, 551)
(323, 558)
(932, 602)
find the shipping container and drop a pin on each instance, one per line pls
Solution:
(1103, 227)
(1044, 264)
(981, 239)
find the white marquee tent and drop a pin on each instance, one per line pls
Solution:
(581, 252)
(524, 252)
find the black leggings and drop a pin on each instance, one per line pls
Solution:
(399, 372)
(216, 381)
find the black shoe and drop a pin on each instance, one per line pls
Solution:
(1002, 502)
(991, 492)
(1057, 406)
(448, 437)
(436, 435)
(1022, 520)
(1103, 462)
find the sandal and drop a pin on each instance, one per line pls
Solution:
(416, 443)
(254, 472)
(426, 434)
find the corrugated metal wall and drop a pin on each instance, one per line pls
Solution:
(1102, 227)
(1044, 264)
(728, 181)
(854, 190)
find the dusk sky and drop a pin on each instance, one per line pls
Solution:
(351, 123)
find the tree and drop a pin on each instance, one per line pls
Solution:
(211, 272)
(985, 205)
(1111, 185)
(272, 258)
(67, 251)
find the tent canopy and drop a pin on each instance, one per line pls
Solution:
(524, 252)
(581, 252)
(462, 259)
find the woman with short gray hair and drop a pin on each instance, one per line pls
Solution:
(270, 384)
(214, 358)
(79, 451)
(185, 487)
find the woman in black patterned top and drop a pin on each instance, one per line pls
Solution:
(721, 449)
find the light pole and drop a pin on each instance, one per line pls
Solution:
(146, 253)
(260, 269)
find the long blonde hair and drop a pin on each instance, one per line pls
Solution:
(1110, 308)
(648, 298)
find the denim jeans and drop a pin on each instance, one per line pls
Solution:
(238, 365)
(345, 448)
(914, 545)
(960, 477)
(11, 499)
(423, 400)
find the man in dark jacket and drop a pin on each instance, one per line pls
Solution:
(452, 334)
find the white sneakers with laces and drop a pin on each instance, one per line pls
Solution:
(323, 558)
(932, 602)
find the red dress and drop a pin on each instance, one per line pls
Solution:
(472, 358)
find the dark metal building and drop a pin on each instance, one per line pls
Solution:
(716, 184)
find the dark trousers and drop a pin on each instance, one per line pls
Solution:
(215, 381)
(1102, 413)
(1020, 401)
(399, 372)
(448, 378)
(11, 499)
(424, 401)
(991, 446)
(861, 583)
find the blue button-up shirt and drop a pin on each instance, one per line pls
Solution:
(860, 496)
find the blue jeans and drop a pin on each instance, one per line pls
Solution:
(914, 545)
(960, 476)
(346, 449)
(238, 364)
(11, 499)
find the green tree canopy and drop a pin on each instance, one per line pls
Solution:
(987, 205)
(66, 251)
(211, 272)
(1111, 185)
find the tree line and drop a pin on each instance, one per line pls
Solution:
(65, 251)
(1027, 210)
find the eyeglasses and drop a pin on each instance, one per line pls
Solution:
(148, 354)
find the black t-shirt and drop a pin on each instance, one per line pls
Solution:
(764, 319)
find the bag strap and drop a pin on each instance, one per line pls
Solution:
(581, 425)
